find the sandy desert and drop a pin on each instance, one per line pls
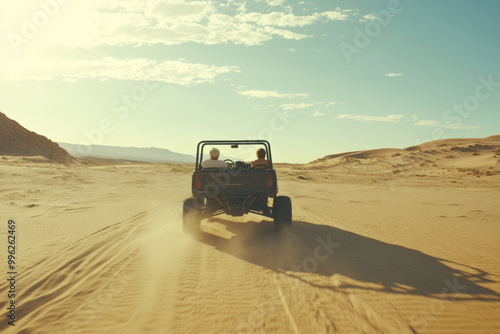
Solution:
(375, 123)
(382, 241)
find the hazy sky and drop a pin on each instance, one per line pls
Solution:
(313, 77)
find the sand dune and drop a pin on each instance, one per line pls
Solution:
(101, 249)
(445, 158)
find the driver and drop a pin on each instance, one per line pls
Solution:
(261, 155)
(214, 161)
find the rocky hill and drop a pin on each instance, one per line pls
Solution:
(19, 141)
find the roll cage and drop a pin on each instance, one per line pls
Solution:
(201, 146)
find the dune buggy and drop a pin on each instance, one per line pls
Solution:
(235, 190)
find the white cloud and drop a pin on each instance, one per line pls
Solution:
(317, 113)
(90, 24)
(281, 19)
(286, 34)
(364, 118)
(93, 23)
(292, 50)
(368, 17)
(338, 15)
(175, 71)
(330, 104)
(447, 125)
(294, 106)
(180, 10)
(391, 74)
(260, 94)
(273, 2)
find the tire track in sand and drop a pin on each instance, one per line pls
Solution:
(73, 290)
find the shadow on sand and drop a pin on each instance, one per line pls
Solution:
(391, 268)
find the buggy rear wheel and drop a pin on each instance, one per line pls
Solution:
(282, 212)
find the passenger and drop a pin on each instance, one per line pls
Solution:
(261, 155)
(214, 161)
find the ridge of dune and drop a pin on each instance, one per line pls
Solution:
(452, 141)
(16, 140)
(444, 157)
(359, 154)
(333, 156)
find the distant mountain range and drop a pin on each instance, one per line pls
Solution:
(146, 154)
